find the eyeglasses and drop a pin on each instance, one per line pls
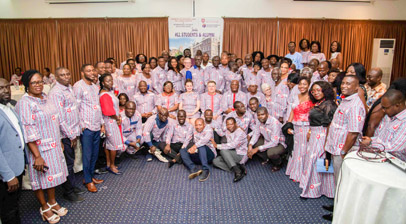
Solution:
(37, 83)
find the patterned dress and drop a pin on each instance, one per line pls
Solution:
(176, 79)
(301, 128)
(127, 85)
(114, 135)
(167, 101)
(316, 184)
(189, 103)
(40, 122)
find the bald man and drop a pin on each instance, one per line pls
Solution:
(131, 125)
(391, 132)
(322, 71)
(201, 152)
(375, 87)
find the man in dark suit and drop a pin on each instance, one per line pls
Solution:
(11, 156)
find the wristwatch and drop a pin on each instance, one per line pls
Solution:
(343, 152)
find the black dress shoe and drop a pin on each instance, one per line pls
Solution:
(238, 177)
(72, 197)
(329, 208)
(328, 217)
(243, 169)
(78, 191)
(171, 163)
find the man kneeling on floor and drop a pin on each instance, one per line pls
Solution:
(158, 128)
(201, 152)
(265, 141)
(234, 152)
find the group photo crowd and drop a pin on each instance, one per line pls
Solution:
(195, 110)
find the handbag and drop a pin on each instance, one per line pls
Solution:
(321, 166)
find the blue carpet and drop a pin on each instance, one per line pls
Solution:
(149, 192)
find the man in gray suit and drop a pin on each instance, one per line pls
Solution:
(11, 156)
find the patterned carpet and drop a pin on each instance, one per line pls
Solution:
(149, 192)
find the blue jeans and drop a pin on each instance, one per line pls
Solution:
(90, 150)
(203, 156)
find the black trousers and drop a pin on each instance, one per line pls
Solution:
(69, 153)
(101, 158)
(9, 211)
(175, 149)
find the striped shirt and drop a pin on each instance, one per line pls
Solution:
(215, 74)
(87, 99)
(127, 85)
(319, 56)
(259, 96)
(271, 131)
(176, 79)
(189, 101)
(279, 102)
(132, 127)
(266, 77)
(235, 140)
(250, 77)
(197, 78)
(203, 139)
(349, 117)
(229, 98)
(145, 102)
(230, 76)
(244, 122)
(212, 102)
(182, 133)
(391, 133)
(167, 101)
(65, 101)
(158, 134)
(140, 77)
(159, 77)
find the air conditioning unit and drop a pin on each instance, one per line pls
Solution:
(86, 1)
(382, 57)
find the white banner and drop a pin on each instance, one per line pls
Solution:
(204, 34)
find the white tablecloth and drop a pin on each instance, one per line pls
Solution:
(370, 192)
(17, 94)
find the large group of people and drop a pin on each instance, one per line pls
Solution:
(194, 111)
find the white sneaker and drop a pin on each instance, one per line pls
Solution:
(159, 156)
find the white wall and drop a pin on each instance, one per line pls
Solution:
(379, 10)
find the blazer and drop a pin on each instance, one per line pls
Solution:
(12, 159)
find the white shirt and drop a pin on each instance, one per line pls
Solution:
(14, 120)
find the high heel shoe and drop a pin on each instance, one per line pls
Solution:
(61, 212)
(53, 219)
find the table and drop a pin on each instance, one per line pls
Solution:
(369, 192)
(16, 94)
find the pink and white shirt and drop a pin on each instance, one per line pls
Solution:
(391, 133)
(244, 122)
(279, 102)
(236, 140)
(65, 101)
(167, 101)
(127, 85)
(145, 102)
(215, 74)
(271, 131)
(182, 133)
(212, 102)
(159, 134)
(197, 79)
(159, 77)
(87, 98)
(203, 139)
(229, 98)
(349, 117)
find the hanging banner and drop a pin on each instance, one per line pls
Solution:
(204, 34)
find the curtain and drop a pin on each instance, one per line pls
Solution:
(244, 36)
(355, 36)
(29, 44)
(73, 42)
